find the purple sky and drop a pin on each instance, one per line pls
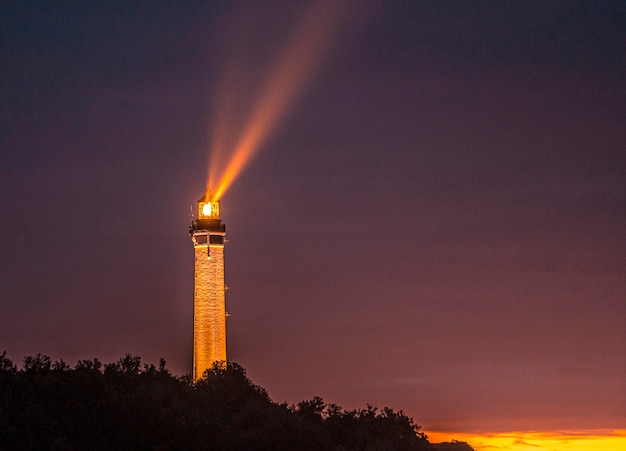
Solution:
(437, 225)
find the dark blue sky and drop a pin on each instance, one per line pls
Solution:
(437, 225)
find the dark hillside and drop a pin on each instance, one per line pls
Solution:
(128, 405)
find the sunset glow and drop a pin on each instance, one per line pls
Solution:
(593, 440)
(295, 67)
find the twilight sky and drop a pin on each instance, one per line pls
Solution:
(436, 224)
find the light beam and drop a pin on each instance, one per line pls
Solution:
(296, 66)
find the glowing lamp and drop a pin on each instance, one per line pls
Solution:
(209, 210)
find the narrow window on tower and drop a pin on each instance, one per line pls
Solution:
(216, 239)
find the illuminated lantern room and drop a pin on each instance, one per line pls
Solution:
(208, 220)
(208, 210)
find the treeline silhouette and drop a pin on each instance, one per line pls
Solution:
(128, 405)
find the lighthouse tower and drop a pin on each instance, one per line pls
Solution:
(209, 308)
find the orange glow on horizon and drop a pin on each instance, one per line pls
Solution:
(592, 440)
(295, 68)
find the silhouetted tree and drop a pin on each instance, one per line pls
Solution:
(6, 365)
(38, 364)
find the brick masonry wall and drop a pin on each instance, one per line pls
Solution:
(209, 311)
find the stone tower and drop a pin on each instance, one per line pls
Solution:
(209, 307)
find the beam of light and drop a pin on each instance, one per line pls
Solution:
(222, 128)
(593, 440)
(295, 68)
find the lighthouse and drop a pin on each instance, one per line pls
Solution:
(209, 306)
